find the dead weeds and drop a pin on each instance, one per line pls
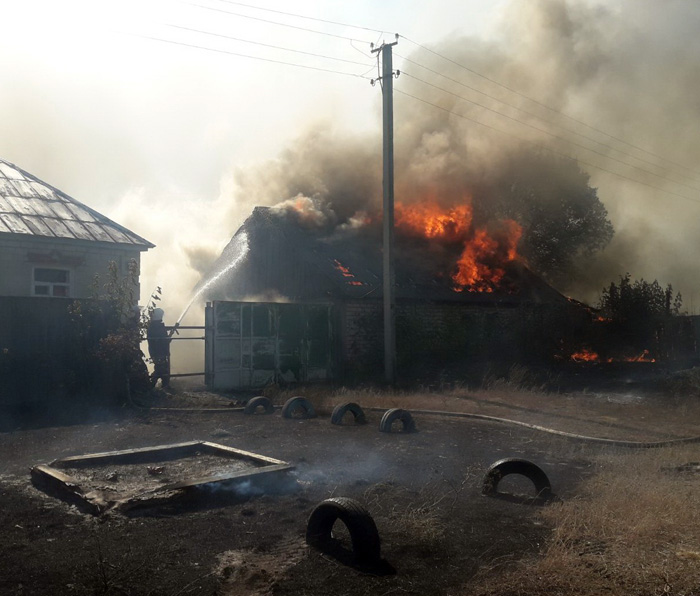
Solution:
(423, 517)
(634, 529)
(598, 415)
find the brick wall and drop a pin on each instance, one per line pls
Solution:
(361, 338)
(446, 331)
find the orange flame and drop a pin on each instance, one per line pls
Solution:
(484, 252)
(431, 221)
(643, 357)
(585, 355)
(345, 272)
(479, 268)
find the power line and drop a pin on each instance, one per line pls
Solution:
(422, 101)
(493, 81)
(548, 148)
(300, 16)
(267, 45)
(245, 16)
(570, 130)
(551, 109)
(190, 45)
(432, 85)
(553, 135)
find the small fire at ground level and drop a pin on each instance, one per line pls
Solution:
(586, 355)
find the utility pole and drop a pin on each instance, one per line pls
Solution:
(387, 83)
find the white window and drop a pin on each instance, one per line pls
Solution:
(51, 282)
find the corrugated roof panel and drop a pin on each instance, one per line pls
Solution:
(7, 188)
(5, 206)
(37, 225)
(80, 213)
(41, 207)
(119, 236)
(15, 223)
(21, 206)
(78, 229)
(99, 232)
(53, 213)
(61, 210)
(59, 228)
(25, 189)
(10, 172)
(43, 190)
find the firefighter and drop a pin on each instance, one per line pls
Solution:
(159, 348)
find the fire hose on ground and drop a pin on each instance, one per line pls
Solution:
(600, 440)
(496, 419)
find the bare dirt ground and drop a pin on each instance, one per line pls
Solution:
(439, 535)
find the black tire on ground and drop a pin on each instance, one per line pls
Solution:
(340, 410)
(363, 530)
(259, 402)
(503, 467)
(298, 403)
(390, 416)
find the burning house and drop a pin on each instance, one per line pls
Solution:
(305, 300)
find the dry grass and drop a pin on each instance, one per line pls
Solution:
(634, 527)
(519, 379)
(594, 415)
(683, 383)
(421, 522)
(634, 530)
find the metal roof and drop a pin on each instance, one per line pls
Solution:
(33, 207)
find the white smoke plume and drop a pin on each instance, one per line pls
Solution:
(309, 212)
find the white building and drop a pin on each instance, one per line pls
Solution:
(52, 245)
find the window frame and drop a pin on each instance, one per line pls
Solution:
(50, 285)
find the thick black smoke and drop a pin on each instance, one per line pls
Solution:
(628, 68)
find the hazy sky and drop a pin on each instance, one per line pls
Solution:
(149, 132)
(99, 110)
(152, 133)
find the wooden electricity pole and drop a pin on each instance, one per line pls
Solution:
(387, 82)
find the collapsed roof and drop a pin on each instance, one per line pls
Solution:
(288, 261)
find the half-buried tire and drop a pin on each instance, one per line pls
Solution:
(342, 409)
(504, 467)
(391, 416)
(360, 525)
(298, 407)
(259, 402)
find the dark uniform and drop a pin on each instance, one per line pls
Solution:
(159, 350)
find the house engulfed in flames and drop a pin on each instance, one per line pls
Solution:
(306, 301)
